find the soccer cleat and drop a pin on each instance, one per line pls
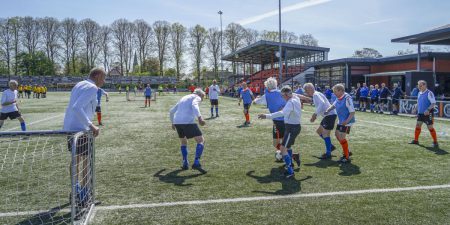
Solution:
(217, 115)
(288, 175)
(185, 166)
(414, 142)
(435, 145)
(100, 124)
(296, 158)
(344, 160)
(350, 153)
(325, 156)
(196, 166)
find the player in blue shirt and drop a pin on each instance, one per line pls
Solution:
(98, 109)
(148, 95)
(425, 113)
(346, 115)
(398, 93)
(246, 95)
(374, 94)
(364, 97)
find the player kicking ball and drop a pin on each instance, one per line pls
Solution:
(182, 116)
(346, 115)
(425, 113)
(291, 112)
(327, 124)
(10, 109)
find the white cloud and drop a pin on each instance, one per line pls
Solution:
(378, 21)
(298, 6)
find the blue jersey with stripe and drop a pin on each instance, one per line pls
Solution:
(423, 102)
(364, 92)
(246, 95)
(343, 107)
(275, 102)
(148, 91)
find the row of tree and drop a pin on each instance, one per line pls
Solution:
(47, 46)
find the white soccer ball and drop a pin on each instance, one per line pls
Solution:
(278, 155)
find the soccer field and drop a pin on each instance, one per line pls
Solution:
(139, 180)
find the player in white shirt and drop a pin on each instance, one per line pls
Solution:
(183, 116)
(78, 117)
(214, 91)
(10, 108)
(327, 124)
(292, 113)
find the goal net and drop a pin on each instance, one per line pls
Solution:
(46, 177)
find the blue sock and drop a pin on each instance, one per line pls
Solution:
(288, 162)
(22, 125)
(212, 111)
(217, 111)
(290, 152)
(184, 153)
(198, 152)
(328, 145)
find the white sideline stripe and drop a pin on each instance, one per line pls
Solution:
(35, 122)
(232, 200)
(265, 198)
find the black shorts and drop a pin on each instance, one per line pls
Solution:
(395, 101)
(188, 130)
(247, 106)
(357, 98)
(82, 147)
(10, 115)
(428, 120)
(148, 97)
(383, 100)
(374, 100)
(20, 92)
(291, 132)
(328, 122)
(214, 101)
(343, 129)
(278, 129)
(363, 99)
(98, 109)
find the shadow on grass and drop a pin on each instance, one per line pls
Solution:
(288, 186)
(323, 163)
(243, 126)
(49, 217)
(437, 151)
(349, 169)
(211, 118)
(174, 177)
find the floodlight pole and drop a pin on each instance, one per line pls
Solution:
(221, 47)
(279, 39)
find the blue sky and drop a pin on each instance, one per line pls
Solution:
(342, 25)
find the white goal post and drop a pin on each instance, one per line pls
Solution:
(47, 177)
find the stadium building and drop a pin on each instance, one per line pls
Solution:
(257, 62)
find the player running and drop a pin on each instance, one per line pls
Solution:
(327, 124)
(425, 113)
(182, 116)
(214, 91)
(246, 95)
(291, 112)
(10, 109)
(346, 115)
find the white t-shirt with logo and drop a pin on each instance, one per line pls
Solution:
(214, 91)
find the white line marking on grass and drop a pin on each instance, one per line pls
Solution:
(35, 122)
(265, 198)
(233, 200)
